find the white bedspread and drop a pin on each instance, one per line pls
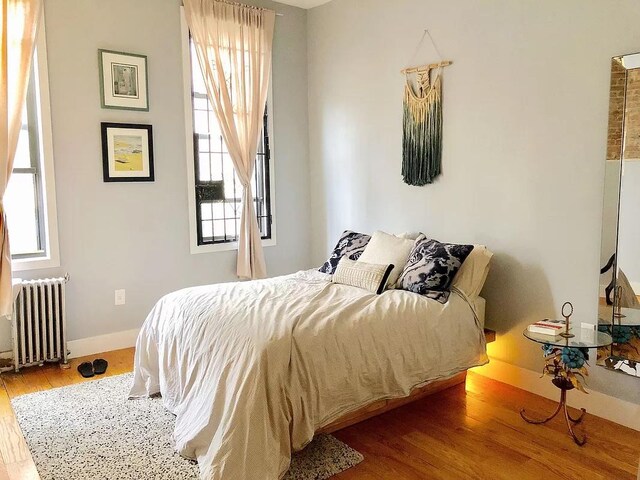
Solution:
(252, 369)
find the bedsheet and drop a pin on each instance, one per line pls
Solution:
(252, 369)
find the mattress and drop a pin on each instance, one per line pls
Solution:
(252, 369)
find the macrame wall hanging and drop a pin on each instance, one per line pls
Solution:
(422, 122)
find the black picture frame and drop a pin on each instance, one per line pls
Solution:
(126, 141)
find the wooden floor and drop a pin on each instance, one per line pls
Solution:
(472, 432)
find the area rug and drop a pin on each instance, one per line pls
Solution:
(91, 430)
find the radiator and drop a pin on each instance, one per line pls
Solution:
(39, 323)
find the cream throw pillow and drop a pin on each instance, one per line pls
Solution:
(385, 249)
(473, 272)
(410, 235)
(362, 275)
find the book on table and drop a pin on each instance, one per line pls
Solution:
(548, 327)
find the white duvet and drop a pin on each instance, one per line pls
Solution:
(252, 369)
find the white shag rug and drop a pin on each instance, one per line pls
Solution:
(91, 430)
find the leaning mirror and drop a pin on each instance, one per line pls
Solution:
(618, 304)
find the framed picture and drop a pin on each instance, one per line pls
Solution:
(127, 152)
(123, 80)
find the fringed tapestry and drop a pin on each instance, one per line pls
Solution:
(422, 131)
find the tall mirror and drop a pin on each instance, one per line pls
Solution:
(619, 304)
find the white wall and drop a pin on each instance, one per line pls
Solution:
(610, 212)
(629, 236)
(136, 236)
(611, 197)
(525, 126)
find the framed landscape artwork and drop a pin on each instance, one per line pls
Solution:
(123, 80)
(127, 152)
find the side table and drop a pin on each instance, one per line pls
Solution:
(572, 356)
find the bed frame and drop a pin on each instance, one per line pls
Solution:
(381, 406)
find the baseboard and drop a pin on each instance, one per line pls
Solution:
(596, 403)
(102, 343)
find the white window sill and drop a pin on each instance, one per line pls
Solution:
(224, 247)
(36, 263)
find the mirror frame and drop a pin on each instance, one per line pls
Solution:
(616, 321)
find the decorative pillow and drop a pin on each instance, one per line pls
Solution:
(432, 266)
(384, 248)
(410, 235)
(351, 245)
(362, 275)
(473, 272)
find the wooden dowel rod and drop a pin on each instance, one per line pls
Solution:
(424, 68)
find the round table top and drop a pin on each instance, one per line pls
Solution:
(584, 338)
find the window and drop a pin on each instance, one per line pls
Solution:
(24, 193)
(215, 190)
(30, 195)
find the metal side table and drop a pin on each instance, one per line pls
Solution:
(573, 349)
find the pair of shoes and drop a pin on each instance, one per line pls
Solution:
(88, 369)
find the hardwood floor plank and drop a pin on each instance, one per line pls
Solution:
(25, 470)
(506, 427)
(5, 402)
(613, 445)
(360, 472)
(13, 448)
(428, 462)
(449, 439)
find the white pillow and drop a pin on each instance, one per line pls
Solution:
(385, 249)
(410, 235)
(362, 275)
(473, 272)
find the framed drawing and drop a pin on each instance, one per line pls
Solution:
(123, 80)
(127, 152)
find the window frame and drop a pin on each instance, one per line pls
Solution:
(194, 247)
(48, 221)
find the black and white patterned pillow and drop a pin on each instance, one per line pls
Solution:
(432, 266)
(350, 245)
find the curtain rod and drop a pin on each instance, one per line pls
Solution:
(243, 5)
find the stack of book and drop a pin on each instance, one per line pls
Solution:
(548, 327)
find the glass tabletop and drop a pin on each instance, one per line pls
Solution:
(584, 338)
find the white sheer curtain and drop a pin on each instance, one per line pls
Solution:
(17, 41)
(233, 45)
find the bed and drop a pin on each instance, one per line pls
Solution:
(253, 369)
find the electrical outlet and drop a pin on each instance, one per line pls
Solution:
(120, 297)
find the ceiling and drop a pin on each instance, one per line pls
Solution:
(304, 3)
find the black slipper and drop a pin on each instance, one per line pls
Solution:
(86, 369)
(100, 366)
